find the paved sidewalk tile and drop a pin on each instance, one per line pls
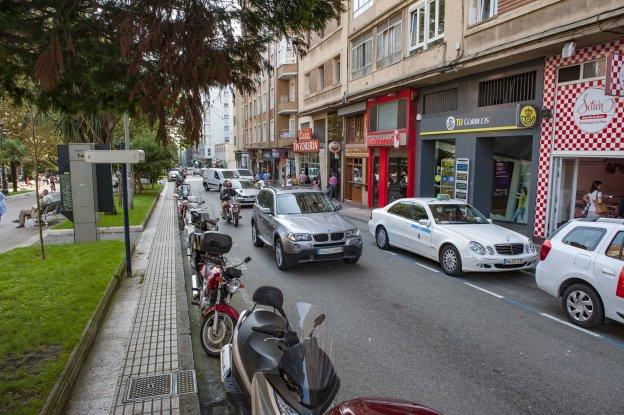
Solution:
(11, 237)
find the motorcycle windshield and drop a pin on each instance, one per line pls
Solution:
(307, 367)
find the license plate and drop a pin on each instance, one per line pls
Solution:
(326, 251)
(513, 261)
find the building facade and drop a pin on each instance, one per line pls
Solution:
(217, 128)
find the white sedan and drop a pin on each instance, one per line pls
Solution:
(453, 233)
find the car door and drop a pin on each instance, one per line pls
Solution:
(261, 221)
(271, 220)
(609, 271)
(397, 222)
(418, 236)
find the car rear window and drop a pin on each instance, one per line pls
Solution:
(584, 237)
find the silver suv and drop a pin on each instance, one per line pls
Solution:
(303, 225)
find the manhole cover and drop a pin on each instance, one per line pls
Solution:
(155, 386)
(149, 387)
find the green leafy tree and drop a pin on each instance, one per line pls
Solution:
(13, 153)
(147, 57)
(159, 158)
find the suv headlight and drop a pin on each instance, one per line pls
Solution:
(284, 408)
(477, 248)
(352, 233)
(298, 237)
(233, 285)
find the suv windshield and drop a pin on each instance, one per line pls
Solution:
(229, 174)
(456, 214)
(245, 172)
(246, 184)
(305, 202)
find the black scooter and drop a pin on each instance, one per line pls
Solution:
(269, 368)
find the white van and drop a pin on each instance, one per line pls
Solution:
(214, 178)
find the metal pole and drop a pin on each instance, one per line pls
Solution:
(129, 166)
(126, 222)
(5, 185)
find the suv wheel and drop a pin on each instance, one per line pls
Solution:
(582, 305)
(451, 261)
(257, 242)
(280, 257)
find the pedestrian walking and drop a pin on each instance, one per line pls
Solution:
(288, 180)
(522, 202)
(52, 184)
(303, 178)
(2, 206)
(266, 176)
(333, 186)
(258, 176)
(595, 205)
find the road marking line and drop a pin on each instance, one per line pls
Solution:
(392, 253)
(484, 290)
(426, 267)
(571, 325)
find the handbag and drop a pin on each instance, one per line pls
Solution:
(601, 208)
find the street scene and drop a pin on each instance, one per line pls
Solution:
(319, 207)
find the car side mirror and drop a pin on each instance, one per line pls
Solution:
(265, 210)
(338, 207)
(424, 222)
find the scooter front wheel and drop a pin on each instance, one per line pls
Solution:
(213, 340)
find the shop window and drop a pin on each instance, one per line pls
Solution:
(584, 237)
(355, 129)
(587, 70)
(480, 10)
(509, 89)
(444, 169)
(388, 117)
(389, 41)
(615, 247)
(361, 56)
(441, 101)
(426, 23)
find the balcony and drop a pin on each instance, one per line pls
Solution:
(287, 105)
(287, 134)
(287, 69)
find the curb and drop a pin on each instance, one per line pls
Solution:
(61, 391)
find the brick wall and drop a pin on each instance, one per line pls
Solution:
(505, 6)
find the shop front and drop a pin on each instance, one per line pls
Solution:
(485, 155)
(306, 149)
(355, 154)
(391, 144)
(582, 141)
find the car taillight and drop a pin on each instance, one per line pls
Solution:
(546, 247)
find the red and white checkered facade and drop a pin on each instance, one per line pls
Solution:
(560, 133)
(615, 75)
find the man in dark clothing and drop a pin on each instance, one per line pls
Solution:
(227, 193)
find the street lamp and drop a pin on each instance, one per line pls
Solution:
(5, 185)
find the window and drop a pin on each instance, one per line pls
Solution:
(355, 129)
(480, 10)
(360, 5)
(587, 70)
(337, 70)
(584, 237)
(321, 77)
(272, 98)
(506, 90)
(401, 209)
(306, 83)
(361, 56)
(308, 202)
(272, 128)
(226, 117)
(389, 41)
(292, 91)
(426, 23)
(388, 117)
(226, 128)
(225, 105)
(441, 101)
(615, 247)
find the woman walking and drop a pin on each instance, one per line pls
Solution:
(2, 206)
(595, 205)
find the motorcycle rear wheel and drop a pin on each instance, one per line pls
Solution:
(213, 342)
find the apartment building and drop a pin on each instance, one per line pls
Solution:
(269, 123)
(461, 97)
(217, 128)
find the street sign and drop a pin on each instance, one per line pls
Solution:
(114, 156)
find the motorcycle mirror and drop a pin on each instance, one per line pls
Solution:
(319, 320)
(247, 260)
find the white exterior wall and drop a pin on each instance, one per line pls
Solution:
(218, 121)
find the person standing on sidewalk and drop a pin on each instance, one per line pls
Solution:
(2, 206)
(333, 186)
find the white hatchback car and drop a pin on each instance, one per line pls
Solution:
(453, 233)
(583, 264)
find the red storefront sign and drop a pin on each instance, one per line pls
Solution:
(305, 134)
(307, 146)
(385, 140)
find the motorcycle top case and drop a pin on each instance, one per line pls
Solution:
(216, 242)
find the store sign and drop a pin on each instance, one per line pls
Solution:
(593, 110)
(527, 116)
(394, 139)
(334, 147)
(462, 172)
(614, 84)
(453, 122)
(305, 134)
(308, 146)
(356, 152)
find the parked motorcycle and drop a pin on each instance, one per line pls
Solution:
(231, 213)
(271, 368)
(200, 222)
(217, 283)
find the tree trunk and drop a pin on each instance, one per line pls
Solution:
(13, 167)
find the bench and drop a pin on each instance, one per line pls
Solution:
(48, 211)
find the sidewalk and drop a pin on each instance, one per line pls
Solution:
(141, 361)
(354, 211)
(10, 237)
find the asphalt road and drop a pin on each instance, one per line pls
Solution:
(480, 344)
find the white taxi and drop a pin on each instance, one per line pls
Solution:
(583, 264)
(453, 233)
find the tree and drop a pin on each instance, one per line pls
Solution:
(159, 158)
(148, 57)
(13, 153)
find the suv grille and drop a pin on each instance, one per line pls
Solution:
(510, 249)
(321, 237)
(337, 236)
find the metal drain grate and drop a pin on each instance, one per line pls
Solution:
(165, 385)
